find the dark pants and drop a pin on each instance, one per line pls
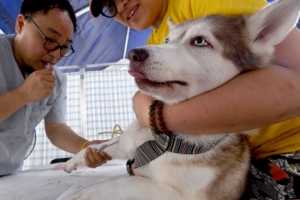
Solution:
(274, 178)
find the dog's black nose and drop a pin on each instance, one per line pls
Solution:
(138, 55)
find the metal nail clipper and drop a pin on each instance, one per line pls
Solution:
(105, 146)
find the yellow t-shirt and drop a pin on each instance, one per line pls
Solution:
(283, 137)
(182, 10)
(279, 138)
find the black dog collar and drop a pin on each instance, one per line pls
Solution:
(128, 166)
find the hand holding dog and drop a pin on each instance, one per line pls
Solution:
(93, 158)
(141, 104)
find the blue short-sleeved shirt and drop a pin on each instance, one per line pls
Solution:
(16, 132)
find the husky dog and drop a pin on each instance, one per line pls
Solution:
(199, 55)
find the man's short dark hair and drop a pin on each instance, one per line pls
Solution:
(31, 7)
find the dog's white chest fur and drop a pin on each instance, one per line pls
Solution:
(199, 55)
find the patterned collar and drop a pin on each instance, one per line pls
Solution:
(152, 149)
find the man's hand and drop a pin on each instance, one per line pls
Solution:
(39, 85)
(94, 159)
(89, 156)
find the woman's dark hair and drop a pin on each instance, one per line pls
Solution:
(31, 7)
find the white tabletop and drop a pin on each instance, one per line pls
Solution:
(52, 183)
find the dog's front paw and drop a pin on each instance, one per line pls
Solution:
(70, 165)
(74, 162)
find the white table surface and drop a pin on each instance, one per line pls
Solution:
(52, 183)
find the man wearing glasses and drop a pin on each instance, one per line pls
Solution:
(31, 89)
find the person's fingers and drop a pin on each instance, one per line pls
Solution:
(51, 85)
(97, 158)
(105, 155)
(94, 159)
(50, 78)
(87, 156)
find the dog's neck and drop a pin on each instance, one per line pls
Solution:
(152, 149)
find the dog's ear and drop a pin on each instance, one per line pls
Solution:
(272, 24)
(171, 24)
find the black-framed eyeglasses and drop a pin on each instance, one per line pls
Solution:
(52, 45)
(109, 9)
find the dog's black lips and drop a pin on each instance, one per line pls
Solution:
(161, 84)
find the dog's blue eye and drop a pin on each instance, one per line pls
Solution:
(200, 41)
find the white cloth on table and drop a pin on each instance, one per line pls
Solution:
(52, 183)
